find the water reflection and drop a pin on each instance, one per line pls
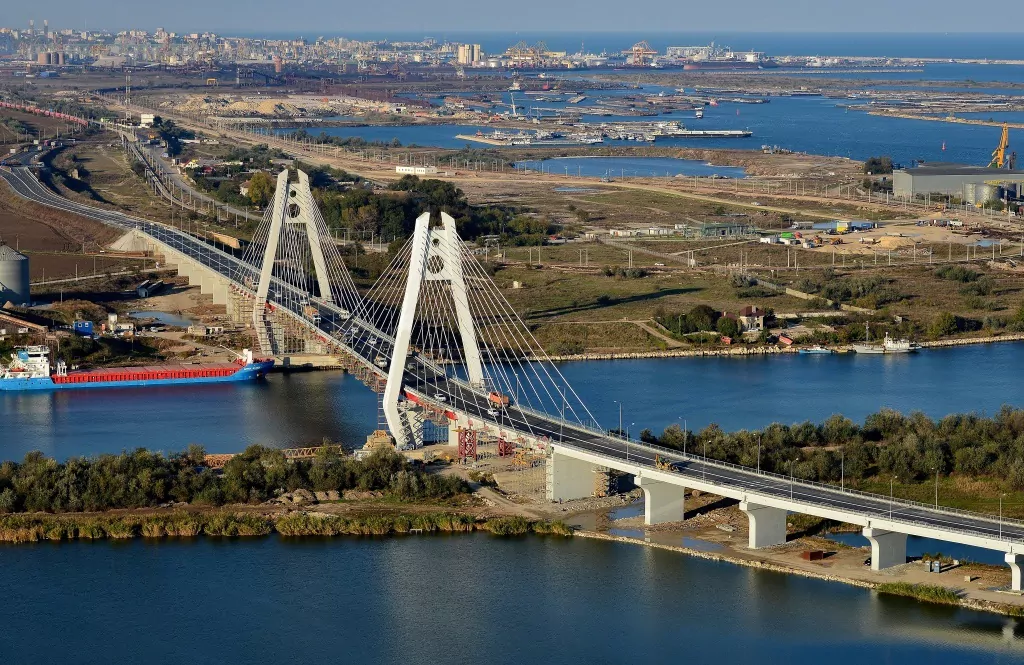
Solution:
(417, 599)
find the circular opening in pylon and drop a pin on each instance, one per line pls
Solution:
(292, 193)
(294, 210)
(436, 242)
(435, 264)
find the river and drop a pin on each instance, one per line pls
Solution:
(454, 599)
(746, 392)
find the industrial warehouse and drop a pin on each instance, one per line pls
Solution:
(974, 184)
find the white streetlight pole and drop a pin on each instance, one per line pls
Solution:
(758, 453)
(1001, 516)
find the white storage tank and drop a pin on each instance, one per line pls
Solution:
(14, 281)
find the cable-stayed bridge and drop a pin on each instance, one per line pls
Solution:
(437, 339)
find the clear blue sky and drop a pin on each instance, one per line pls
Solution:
(339, 17)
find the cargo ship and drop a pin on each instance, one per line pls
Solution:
(30, 369)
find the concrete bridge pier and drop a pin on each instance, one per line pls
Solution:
(568, 478)
(767, 525)
(888, 548)
(1014, 561)
(211, 284)
(663, 502)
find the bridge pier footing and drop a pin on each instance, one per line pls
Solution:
(1014, 561)
(663, 502)
(569, 478)
(888, 548)
(767, 525)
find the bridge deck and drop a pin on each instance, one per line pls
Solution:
(430, 384)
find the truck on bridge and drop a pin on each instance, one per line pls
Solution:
(500, 400)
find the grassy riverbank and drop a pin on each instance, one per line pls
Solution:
(226, 523)
(926, 592)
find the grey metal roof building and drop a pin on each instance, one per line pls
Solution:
(974, 184)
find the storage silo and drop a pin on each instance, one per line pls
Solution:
(14, 280)
(986, 193)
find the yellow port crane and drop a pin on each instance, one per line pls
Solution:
(999, 154)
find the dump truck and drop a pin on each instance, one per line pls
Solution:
(498, 399)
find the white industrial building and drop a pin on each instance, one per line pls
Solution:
(416, 170)
(973, 184)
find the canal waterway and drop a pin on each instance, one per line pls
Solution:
(455, 599)
(736, 393)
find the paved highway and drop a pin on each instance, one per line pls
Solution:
(432, 385)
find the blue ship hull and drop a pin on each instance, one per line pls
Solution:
(250, 372)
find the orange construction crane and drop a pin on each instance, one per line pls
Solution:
(641, 53)
(999, 154)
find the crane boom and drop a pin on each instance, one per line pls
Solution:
(999, 154)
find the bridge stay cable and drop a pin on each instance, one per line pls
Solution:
(468, 348)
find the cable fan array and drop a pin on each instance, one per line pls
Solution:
(303, 239)
(513, 363)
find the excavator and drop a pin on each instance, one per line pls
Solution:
(999, 156)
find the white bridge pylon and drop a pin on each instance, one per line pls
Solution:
(295, 263)
(457, 340)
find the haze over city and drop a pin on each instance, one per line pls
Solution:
(411, 16)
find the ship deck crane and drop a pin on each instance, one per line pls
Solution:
(999, 154)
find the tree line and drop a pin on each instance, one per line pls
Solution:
(142, 478)
(888, 444)
(392, 213)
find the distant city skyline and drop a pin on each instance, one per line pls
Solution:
(314, 18)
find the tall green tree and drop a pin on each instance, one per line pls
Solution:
(261, 189)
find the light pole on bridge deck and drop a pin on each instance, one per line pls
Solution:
(791, 477)
(758, 453)
(561, 422)
(936, 470)
(704, 466)
(891, 484)
(842, 469)
(620, 428)
(1001, 516)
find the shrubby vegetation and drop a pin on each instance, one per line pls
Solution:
(927, 592)
(887, 444)
(878, 165)
(34, 528)
(142, 479)
(391, 215)
(341, 141)
(624, 273)
(699, 319)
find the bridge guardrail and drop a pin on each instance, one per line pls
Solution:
(905, 503)
(228, 262)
